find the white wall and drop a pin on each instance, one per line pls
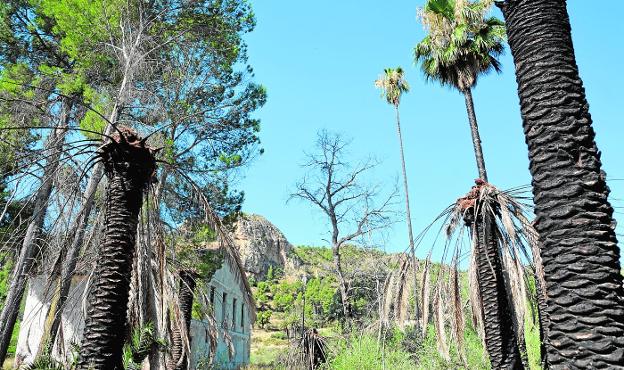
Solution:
(37, 304)
(240, 335)
(73, 322)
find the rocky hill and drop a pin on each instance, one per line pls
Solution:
(262, 245)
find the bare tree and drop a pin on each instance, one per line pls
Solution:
(353, 208)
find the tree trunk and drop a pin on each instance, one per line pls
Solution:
(342, 285)
(29, 249)
(129, 166)
(500, 334)
(185, 295)
(476, 138)
(155, 310)
(63, 281)
(500, 337)
(542, 320)
(408, 216)
(585, 297)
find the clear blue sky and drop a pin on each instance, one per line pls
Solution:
(319, 60)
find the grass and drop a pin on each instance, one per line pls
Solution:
(266, 345)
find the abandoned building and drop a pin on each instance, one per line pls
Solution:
(231, 322)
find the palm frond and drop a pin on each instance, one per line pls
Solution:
(438, 323)
(518, 249)
(425, 295)
(461, 42)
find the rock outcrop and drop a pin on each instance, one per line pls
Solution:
(262, 245)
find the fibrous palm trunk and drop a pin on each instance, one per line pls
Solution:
(500, 337)
(185, 296)
(585, 298)
(128, 165)
(474, 132)
(28, 251)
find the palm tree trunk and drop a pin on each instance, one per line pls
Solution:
(408, 216)
(25, 261)
(185, 296)
(585, 297)
(500, 337)
(129, 166)
(476, 138)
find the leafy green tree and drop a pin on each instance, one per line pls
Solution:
(184, 63)
(264, 317)
(39, 74)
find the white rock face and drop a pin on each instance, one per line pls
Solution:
(261, 245)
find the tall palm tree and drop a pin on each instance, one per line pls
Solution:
(393, 84)
(462, 44)
(129, 166)
(585, 298)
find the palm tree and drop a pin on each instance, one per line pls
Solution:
(462, 44)
(585, 298)
(129, 166)
(393, 84)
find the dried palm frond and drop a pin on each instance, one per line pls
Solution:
(518, 251)
(476, 303)
(405, 284)
(438, 321)
(425, 295)
(310, 352)
(457, 316)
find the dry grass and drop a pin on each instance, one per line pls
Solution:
(8, 363)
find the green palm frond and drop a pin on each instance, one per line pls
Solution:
(462, 42)
(392, 84)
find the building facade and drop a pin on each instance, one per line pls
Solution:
(229, 327)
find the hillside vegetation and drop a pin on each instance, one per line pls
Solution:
(281, 312)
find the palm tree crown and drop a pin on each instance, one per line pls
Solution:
(392, 84)
(462, 42)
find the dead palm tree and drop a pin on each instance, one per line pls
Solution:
(393, 84)
(462, 43)
(584, 293)
(129, 166)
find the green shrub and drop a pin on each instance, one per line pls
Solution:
(263, 317)
(365, 353)
(279, 335)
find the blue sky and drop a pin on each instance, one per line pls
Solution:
(319, 60)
